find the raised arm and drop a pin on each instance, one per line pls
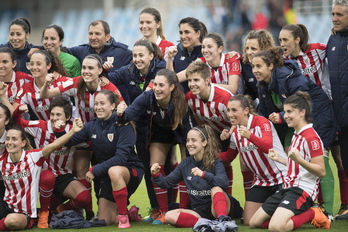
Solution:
(77, 126)
(45, 92)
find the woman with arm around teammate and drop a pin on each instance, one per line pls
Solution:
(20, 161)
(205, 179)
(289, 208)
(252, 136)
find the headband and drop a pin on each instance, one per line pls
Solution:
(234, 98)
(89, 56)
(196, 128)
(45, 54)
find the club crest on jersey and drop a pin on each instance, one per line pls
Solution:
(267, 127)
(110, 137)
(315, 145)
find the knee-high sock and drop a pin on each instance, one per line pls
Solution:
(161, 194)
(184, 197)
(3, 227)
(248, 177)
(343, 187)
(88, 186)
(229, 173)
(175, 188)
(80, 201)
(302, 218)
(220, 204)
(327, 187)
(120, 197)
(186, 220)
(46, 186)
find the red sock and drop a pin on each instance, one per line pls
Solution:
(186, 220)
(229, 173)
(46, 186)
(161, 194)
(302, 218)
(80, 201)
(248, 178)
(3, 227)
(88, 186)
(176, 187)
(343, 186)
(120, 197)
(220, 204)
(320, 196)
(265, 224)
(55, 202)
(184, 197)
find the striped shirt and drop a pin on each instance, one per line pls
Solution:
(21, 180)
(214, 111)
(309, 144)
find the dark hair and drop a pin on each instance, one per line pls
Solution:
(12, 54)
(58, 29)
(199, 67)
(7, 116)
(52, 58)
(196, 25)
(62, 102)
(23, 22)
(151, 47)
(212, 149)
(300, 101)
(299, 31)
(81, 84)
(272, 56)
(103, 23)
(27, 146)
(111, 96)
(264, 38)
(177, 96)
(157, 16)
(244, 102)
(216, 37)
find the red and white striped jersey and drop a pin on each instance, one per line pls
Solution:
(21, 180)
(314, 65)
(163, 45)
(30, 94)
(18, 80)
(214, 111)
(254, 151)
(308, 142)
(227, 67)
(85, 108)
(42, 131)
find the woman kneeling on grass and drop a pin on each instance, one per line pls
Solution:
(20, 167)
(119, 167)
(205, 178)
(290, 207)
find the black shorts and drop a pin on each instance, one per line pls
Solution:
(236, 210)
(62, 182)
(259, 194)
(105, 190)
(294, 199)
(162, 135)
(5, 210)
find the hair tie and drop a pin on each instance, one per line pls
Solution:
(196, 128)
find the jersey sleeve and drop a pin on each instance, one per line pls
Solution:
(266, 141)
(315, 146)
(234, 67)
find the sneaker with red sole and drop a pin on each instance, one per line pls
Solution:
(133, 214)
(320, 220)
(123, 221)
(160, 219)
(43, 220)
